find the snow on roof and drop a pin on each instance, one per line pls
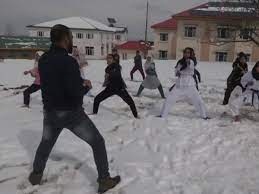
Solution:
(77, 23)
(211, 9)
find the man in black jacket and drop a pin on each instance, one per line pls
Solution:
(115, 85)
(137, 66)
(62, 92)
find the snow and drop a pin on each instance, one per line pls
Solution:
(77, 23)
(179, 155)
(227, 9)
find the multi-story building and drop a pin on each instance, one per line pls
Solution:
(209, 29)
(91, 37)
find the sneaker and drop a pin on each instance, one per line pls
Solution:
(206, 118)
(108, 183)
(35, 178)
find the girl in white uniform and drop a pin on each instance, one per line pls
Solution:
(185, 87)
(250, 81)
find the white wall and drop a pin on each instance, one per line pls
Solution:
(100, 39)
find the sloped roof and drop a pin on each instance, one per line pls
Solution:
(167, 24)
(77, 23)
(24, 42)
(133, 45)
(217, 10)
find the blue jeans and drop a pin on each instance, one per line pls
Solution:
(78, 123)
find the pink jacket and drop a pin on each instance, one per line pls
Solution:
(35, 73)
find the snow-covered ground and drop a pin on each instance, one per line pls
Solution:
(179, 155)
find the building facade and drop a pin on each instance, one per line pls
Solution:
(128, 49)
(206, 29)
(93, 39)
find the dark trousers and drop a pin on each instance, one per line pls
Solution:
(137, 68)
(107, 92)
(27, 93)
(160, 89)
(78, 123)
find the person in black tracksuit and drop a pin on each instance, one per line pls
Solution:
(115, 85)
(137, 66)
(116, 56)
(240, 67)
(63, 90)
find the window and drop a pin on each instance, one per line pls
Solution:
(221, 56)
(118, 37)
(102, 50)
(89, 36)
(107, 48)
(163, 54)
(124, 56)
(223, 32)
(190, 31)
(40, 34)
(89, 51)
(163, 37)
(79, 35)
(245, 34)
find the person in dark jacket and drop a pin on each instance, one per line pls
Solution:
(116, 56)
(115, 85)
(62, 92)
(137, 66)
(240, 68)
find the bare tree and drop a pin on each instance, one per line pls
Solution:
(246, 29)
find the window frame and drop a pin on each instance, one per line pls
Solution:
(227, 33)
(40, 33)
(164, 37)
(190, 31)
(163, 54)
(221, 56)
(79, 35)
(89, 51)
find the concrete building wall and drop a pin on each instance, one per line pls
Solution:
(169, 46)
(206, 42)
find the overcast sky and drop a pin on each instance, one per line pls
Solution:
(131, 13)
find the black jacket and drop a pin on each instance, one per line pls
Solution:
(236, 75)
(61, 83)
(114, 79)
(138, 61)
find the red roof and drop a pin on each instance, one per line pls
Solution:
(133, 45)
(168, 24)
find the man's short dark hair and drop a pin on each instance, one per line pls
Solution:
(138, 51)
(58, 33)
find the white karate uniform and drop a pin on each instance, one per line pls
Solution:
(185, 88)
(237, 101)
